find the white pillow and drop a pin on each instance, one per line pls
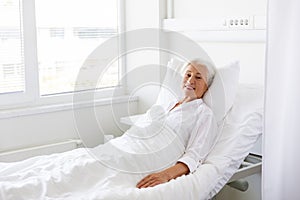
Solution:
(220, 95)
(249, 100)
(222, 92)
(170, 89)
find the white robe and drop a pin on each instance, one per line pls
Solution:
(195, 124)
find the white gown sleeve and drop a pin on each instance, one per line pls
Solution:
(201, 141)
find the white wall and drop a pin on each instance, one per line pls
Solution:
(198, 8)
(37, 129)
(141, 14)
(250, 55)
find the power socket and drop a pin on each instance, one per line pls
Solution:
(245, 22)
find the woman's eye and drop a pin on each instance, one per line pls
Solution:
(188, 75)
(198, 77)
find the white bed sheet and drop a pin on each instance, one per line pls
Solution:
(70, 175)
(108, 171)
(78, 175)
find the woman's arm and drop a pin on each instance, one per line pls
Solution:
(164, 176)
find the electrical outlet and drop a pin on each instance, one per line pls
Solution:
(245, 22)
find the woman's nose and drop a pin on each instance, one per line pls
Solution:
(191, 80)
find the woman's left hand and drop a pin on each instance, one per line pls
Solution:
(153, 180)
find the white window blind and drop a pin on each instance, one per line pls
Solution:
(12, 75)
(67, 32)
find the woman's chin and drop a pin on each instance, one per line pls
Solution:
(189, 93)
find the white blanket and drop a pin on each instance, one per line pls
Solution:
(109, 171)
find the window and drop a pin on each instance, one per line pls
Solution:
(43, 44)
(11, 48)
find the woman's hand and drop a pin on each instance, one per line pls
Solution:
(153, 180)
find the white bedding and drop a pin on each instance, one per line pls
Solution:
(78, 175)
(108, 171)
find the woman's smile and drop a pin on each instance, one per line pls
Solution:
(189, 87)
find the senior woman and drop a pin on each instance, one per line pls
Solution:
(199, 131)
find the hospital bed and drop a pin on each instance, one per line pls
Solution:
(232, 159)
(239, 113)
(240, 124)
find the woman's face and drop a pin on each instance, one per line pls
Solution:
(194, 83)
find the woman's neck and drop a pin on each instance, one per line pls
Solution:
(186, 99)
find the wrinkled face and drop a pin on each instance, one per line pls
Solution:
(194, 83)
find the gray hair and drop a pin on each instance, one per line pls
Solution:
(211, 69)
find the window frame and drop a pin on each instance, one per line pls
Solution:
(31, 96)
